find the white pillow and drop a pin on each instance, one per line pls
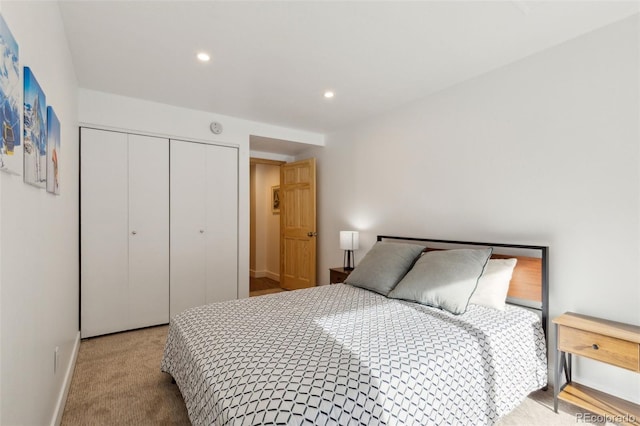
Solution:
(493, 284)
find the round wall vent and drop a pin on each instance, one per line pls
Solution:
(216, 128)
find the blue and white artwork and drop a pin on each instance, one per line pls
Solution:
(35, 131)
(53, 152)
(10, 102)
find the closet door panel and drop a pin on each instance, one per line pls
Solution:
(104, 253)
(222, 223)
(188, 226)
(148, 231)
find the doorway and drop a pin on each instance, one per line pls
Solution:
(264, 257)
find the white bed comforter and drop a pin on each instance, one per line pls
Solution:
(343, 355)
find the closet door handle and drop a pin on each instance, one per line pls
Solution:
(312, 234)
(134, 232)
(202, 231)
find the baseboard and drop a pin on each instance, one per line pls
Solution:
(264, 274)
(66, 384)
(257, 274)
(272, 275)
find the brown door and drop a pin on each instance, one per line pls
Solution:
(298, 224)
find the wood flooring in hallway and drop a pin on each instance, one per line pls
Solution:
(261, 286)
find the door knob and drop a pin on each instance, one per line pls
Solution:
(202, 231)
(133, 232)
(312, 234)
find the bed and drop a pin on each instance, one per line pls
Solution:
(343, 354)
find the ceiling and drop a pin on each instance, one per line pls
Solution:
(272, 61)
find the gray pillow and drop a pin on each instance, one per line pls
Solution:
(444, 279)
(384, 266)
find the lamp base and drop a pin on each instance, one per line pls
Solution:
(348, 260)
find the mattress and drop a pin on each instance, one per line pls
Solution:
(338, 355)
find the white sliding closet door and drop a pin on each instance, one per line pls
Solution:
(104, 237)
(148, 230)
(204, 224)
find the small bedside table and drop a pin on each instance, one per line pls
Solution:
(610, 342)
(338, 275)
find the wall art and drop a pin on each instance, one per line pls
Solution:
(35, 131)
(275, 199)
(53, 152)
(10, 102)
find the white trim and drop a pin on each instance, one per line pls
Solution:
(271, 156)
(264, 273)
(272, 275)
(156, 135)
(257, 274)
(66, 385)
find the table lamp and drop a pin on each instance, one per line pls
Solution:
(349, 241)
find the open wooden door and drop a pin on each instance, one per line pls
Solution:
(298, 224)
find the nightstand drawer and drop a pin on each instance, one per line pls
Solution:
(338, 275)
(599, 347)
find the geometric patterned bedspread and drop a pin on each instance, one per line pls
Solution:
(341, 355)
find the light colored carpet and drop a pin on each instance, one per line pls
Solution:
(117, 381)
(537, 410)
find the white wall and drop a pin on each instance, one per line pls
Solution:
(272, 231)
(122, 113)
(39, 244)
(542, 151)
(267, 224)
(1, 341)
(265, 234)
(272, 156)
(252, 220)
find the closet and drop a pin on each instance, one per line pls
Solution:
(204, 224)
(158, 228)
(124, 209)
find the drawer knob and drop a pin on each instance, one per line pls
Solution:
(595, 347)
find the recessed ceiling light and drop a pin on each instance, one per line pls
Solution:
(329, 94)
(203, 57)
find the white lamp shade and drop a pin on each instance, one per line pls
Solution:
(349, 240)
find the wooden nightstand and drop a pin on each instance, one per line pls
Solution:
(610, 342)
(338, 275)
